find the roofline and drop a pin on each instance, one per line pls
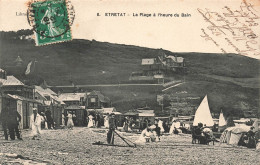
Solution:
(19, 85)
(23, 98)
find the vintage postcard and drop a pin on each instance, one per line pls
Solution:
(129, 81)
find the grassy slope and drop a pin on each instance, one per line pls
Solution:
(85, 60)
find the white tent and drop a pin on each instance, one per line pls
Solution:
(232, 135)
(203, 115)
(222, 121)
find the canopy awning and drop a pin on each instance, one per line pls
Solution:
(117, 113)
(131, 114)
(146, 114)
(75, 107)
(16, 97)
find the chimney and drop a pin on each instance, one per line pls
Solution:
(3, 74)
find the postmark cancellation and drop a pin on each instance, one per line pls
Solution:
(51, 20)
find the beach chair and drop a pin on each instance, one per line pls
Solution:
(196, 135)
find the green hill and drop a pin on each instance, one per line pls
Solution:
(231, 81)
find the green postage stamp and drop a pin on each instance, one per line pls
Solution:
(51, 21)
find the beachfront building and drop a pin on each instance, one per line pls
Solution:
(140, 117)
(75, 105)
(96, 100)
(50, 101)
(17, 96)
(73, 98)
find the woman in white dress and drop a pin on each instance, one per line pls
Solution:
(145, 136)
(178, 126)
(172, 126)
(90, 121)
(35, 124)
(160, 124)
(106, 121)
(70, 123)
(125, 125)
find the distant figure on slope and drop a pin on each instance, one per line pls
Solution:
(35, 123)
(70, 123)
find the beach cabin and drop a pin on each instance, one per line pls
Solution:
(19, 96)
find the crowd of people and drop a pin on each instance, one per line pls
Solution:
(153, 131)
(202, 133)
(150, 131)
(46, 120)
(248, 139)
(10, 120)
(97, 120)
(43, 120)
(93, 120)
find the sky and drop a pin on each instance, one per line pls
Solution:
(177, 34)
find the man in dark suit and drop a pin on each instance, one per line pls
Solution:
(4, 120)
(50, 121)
(14, 118)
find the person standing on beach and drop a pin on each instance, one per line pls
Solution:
(4, 121)
(63, 119)
(112, 127)
(97, 120)
(157, 130)
(49, 119)
(43, 120)
(70, 123)
(126, 122)
(35, 123)
(106, 121)
(14, 118)
(90, 121)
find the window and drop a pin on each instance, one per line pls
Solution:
(48, 97)
(81, 99)
(92, 100)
